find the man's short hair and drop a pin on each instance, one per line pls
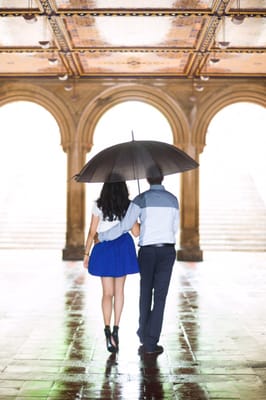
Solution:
(154, 175)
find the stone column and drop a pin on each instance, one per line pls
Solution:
(189, 215)
(74, 249)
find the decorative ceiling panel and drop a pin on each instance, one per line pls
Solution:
(133, 37)
(133, 4)
(250, 34)
(228, 65)
(14, 32)
(247, 4)
(30, 63)
(19, 4)
(142, 32)
(123, 63)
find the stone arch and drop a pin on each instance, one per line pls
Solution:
(213, 104)
(46, 99)
(111, 97)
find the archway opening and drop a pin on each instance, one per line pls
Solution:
(116, 126)
(232, 183)
(33, 178)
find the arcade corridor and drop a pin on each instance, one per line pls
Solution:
(52, 344)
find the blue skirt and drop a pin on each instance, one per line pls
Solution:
(114, 258)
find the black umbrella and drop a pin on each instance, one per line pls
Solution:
(134, 160)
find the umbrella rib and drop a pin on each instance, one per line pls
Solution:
(134, 165)
(131, 160)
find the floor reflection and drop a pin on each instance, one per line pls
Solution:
(188, 306)
(74, 337)
(111, 386)
(52, 344)
(151, 381)
(190, 391)
(188, 319)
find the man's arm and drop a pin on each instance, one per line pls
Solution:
(124, 226)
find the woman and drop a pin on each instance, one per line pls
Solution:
(112, 260)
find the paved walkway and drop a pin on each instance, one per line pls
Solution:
(52, 344)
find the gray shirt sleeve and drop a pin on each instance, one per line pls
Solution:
(124, 226)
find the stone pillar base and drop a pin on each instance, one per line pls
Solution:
(194, 254)
(73, 253)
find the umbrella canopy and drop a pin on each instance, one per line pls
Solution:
(134, 160)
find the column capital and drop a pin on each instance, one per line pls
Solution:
(85, 146)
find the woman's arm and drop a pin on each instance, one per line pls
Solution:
(92, 235)
(135, 230)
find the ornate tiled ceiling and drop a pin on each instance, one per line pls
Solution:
(184, 38)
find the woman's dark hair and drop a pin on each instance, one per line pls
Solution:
(113, 200)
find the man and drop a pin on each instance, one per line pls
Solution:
(158, 213)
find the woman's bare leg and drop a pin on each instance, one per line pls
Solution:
(107, 298)
(119, 284)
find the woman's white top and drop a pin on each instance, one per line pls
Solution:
(103, 225)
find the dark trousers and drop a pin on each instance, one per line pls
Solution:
(156, 265)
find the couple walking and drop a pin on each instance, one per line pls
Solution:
(153, 216)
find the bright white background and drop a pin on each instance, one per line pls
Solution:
(33, 164)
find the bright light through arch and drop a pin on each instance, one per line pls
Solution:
(33, 178)
(118, 122)
(116, 125)
(236, 140)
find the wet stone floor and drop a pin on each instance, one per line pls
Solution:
(52, 344)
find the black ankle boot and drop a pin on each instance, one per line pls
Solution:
(115, 335)
(108, 336)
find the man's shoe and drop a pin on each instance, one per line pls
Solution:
(157, 350)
